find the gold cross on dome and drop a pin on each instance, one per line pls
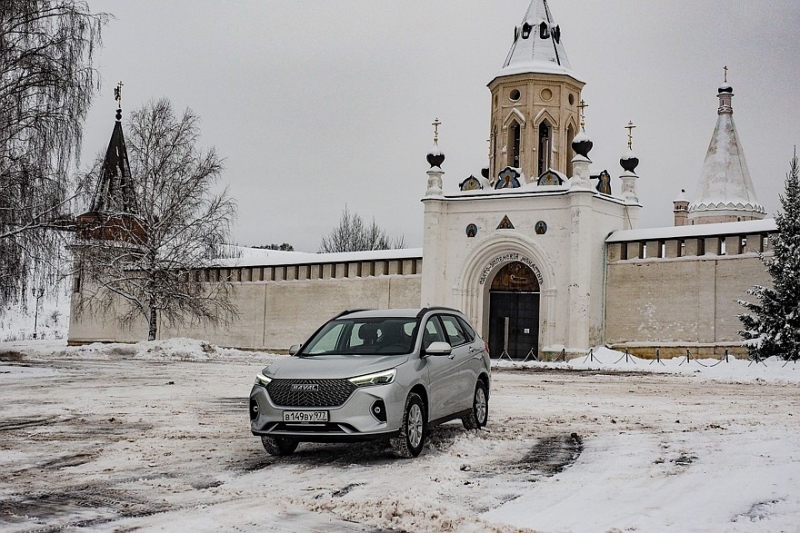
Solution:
(118, 94)
(436, 125)
(582, 106)
(725, 68)
(630, 127)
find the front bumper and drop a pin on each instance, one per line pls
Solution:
(354, 420)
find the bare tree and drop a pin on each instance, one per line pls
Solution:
(46, 86)
(353, 235)
(150, 266)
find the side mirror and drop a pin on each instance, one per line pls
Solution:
(295, 348)
(439, 348)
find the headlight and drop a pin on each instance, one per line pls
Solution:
(263, 380)
(380, 378)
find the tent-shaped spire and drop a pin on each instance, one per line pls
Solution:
(114, 193)
(725, 192)
(537, 47)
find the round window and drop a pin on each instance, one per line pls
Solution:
(514, 95)
(571, 99)
(547, 95)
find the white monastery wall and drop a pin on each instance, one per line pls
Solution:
(278, 305)
(678, 294)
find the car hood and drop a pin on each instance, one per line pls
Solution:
(332, 366)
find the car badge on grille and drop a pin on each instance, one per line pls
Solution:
(305, 387)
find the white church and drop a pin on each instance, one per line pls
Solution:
(545, 258)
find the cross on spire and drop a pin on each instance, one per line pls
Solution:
(725, 68)
(118, 98)
(582, 106)
(630, 127)
(436, 125)
(118, 94)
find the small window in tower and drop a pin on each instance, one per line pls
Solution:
(526, 30)
(571, 99)
(544, 148)
(557, 34)
(544, 31)
(514, 95)
(515, 141)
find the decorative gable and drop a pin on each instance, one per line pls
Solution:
(506, 223)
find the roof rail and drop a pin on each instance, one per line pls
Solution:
(435, 308)
(349, 311)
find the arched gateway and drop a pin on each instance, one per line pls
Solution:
(514, 311)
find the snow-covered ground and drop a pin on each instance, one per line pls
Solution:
(155, 437)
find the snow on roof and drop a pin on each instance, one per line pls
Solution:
(749, 227)
(534, 54)
(251, 257)
(725, 183)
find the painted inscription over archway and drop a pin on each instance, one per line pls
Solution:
(511, 257)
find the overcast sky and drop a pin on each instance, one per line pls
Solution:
(318, 104)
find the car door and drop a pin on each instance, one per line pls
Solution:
(442, 378)
(464, 363)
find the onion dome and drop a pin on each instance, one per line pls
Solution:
(682, 197)
(436, 156)
(582, 144)
(629, 161)
(725, 88)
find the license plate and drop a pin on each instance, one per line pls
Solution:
(305, 416)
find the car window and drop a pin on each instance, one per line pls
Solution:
(453, 329)
(433, 333)
(468, 331)
(326, 341)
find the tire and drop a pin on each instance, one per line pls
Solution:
(479, 414)
(413, 432)
(279, 445)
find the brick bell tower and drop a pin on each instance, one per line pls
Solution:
(535, 101)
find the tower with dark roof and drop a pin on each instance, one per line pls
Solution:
(114, 213)
(535, 98)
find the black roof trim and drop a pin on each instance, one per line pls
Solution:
(350, 311)
(426, 309)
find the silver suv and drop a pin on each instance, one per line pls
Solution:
(370, 375)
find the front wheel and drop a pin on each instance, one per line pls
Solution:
(279, 445)
(477, 417)
(412, 435)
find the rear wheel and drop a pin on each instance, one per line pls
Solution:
(477, 417)
(279, 445)
(412, 435)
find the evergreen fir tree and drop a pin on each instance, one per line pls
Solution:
(773, 324)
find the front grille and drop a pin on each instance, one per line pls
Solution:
(329, 393)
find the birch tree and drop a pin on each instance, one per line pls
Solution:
(150, 269)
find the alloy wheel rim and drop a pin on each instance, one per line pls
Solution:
(480, 405)
(414, 425)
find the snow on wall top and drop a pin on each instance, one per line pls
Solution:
(750, 227)
(725, 183)
(252, 257)
(533, 53)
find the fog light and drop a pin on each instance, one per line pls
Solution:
(253, 409)
(379, 410)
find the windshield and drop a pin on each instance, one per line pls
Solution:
(352, 336)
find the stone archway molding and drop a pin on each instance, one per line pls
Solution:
(482, 264)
